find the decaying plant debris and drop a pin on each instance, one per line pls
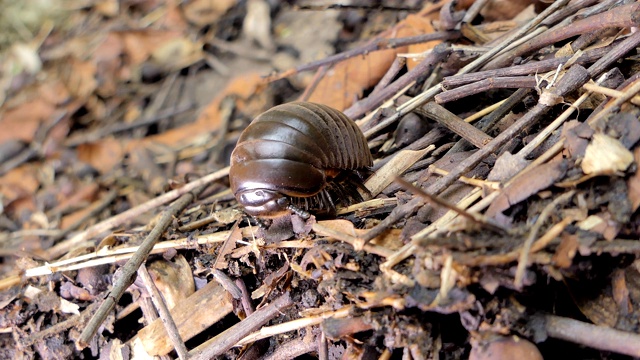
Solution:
(502, 215)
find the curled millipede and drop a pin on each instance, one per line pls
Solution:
(299, 157)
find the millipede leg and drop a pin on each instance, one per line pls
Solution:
(296, 210)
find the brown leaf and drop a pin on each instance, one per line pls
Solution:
(229, 244)
(602, 224)
(102, 155)
(22, 122)
(417, 25)
(343, 226)
(389, 239)
(54, 92)
(627, 125)
(347, 80)
(566, 251)
(600, 309)
(302, 227)
(241, 87)
(107, 7)
(176, 54)
(110, 66)
(106, 153)
(632, 277)
(70, 291)
(271, 281)
(173, 279)
(69, 219)
(205, 12)
(140, 44)
(141, 158)
(537, 179)
(82, 195)
(80, 77)
(496, 10)
(19, 183)
(173, 17)
(79, 199)
(577, 137)
(621, 291)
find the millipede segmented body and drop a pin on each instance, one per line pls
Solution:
(298, 155)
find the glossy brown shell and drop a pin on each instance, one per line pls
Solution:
(295, 149)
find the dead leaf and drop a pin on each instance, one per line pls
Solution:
(566, 251)
(389, 239)
(577, 137)
(70, 291)
(80, 77)
(633, 281)
(173, 16)
(54, 92)
(257, 23)
(107, 8)
(141, 158)
(177, 54)
(229, 244)
(102, 155)
(228, 215)
(105, 154)
(294, 28)
(70, 219)
(302, 227)
(496, 10)
(140, 44)
(205, 12)
(417, 25)
(48, 300)
(620, 292)
(83, 194)
(347, 80)
(602, 224)
(343, 226)
(627, 125)
(18, 183)
(22, 122)
(241, 87)
(539, 178)
(270, 282)
(605, 155)
(55, 137)
(173, 279)
(600, 307)
(110, 65)
(506, 166)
